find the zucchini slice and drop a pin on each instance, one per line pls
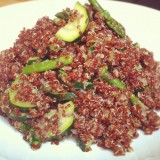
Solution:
(12, 94)
(49, 134)
(66, 121)
(14, 101)
(74, 29)
(66, 118)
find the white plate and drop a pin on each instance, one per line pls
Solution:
(142, 25)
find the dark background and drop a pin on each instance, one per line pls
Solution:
(149, 3)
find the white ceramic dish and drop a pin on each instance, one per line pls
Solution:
(142, 25)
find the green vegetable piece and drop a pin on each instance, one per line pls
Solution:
(32, 59)
(14, 101)
(67, 132)
(111, 22)
(66, 118)
(66, 121)
(76, 85)
(84, 85)
(136, 90)
(137, 45)
(50, 114)
(55, 47)
(136, 101)
(103, 72)
(74, 29)
(47, 65)
(33, 139)
(31, 136)
(63, 96)
(25, 127)
(65, 15)
(12, 94)
(23, 117)
(56, 21)
(148, 89)
(91, 49)
(117, 83)
(84, 146)
(63, 75)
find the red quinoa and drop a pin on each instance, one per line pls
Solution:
(103, 113)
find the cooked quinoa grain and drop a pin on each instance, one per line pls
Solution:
(105, 113)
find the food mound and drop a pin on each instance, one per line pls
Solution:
(79, 75)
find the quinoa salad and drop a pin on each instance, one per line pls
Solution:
(80, 75)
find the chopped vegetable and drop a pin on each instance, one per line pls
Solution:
(65, 15)
(14, 101)
(111, 22)
(117, 83)
(75, 28)
(47, 65)
(79, 76)
(84, 85)
(32, 59)
(63, 96)
(84, 146)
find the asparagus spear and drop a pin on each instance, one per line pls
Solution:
(47, 65)
(134, 100)
(111, 22)
(118, 83)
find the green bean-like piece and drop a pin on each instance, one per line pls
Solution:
(115, 81)
(111, 22)
(47, 65)
(119, 84)
(136, 101)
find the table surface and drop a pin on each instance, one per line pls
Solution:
(150, 3)
(8, 2)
